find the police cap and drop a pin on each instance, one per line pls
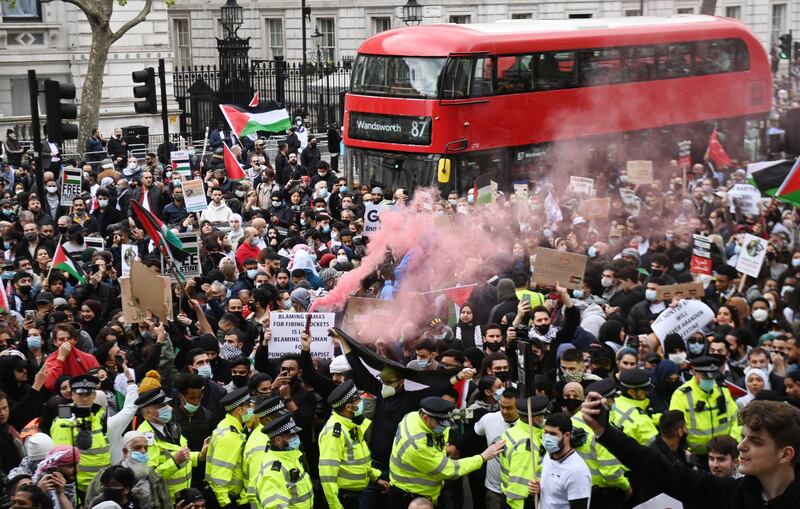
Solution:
(83, 384)
(342, 394)
(280, 426)
(152, 397)
(272, 405)
(436, 407)
(606, 387)
(539, 406)
(235, 399)
(706, 364)
(635, 379)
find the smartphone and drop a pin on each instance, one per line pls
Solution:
(156, 320)
(94, 270)
(30, 315)
(119, 360)
(526, 297)
(308, 324)
(64, 411)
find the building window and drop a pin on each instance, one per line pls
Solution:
(381, 24)
(778, 21)
(327, 27)
(461, 19)
(734, 11)
(182, 41)
(632, 12)
(580, 16)
(21, 97)
(685, 10)
(275, 38)
(522, 15)
(22, 10)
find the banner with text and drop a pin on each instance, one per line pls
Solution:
(372, 220)
(684, 319)
(71, 185)
(191, 265)
(701, 255)
(752, 255)
(287, 327)
(194, 195)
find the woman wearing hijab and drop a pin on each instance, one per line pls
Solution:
(25, 402)
(755, 380)
(91, 319)
(666, 380)
(302, 260)
(466, 330)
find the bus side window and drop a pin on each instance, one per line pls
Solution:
(482, 76)
(514, 74)
(742, 59)
(640, 64)
(456, 78)
(600, 67)
(554, 70)
(714, 57)
(676, 60)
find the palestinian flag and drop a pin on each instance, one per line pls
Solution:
(266, 117)
(63, 262)
(768, 176)
(162, 237)
(789, 191)
(232, 166)
(458, 294)
(716, 153)
(484, 190)
(255, 100)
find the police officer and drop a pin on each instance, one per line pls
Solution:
(167, 449)
(708, 407)
(85, 429)
(419, 465)
(516, 464)
(610, 487)
(257, 443)
(345, 463)
(224, 473)
(630, 412)
(283, 480)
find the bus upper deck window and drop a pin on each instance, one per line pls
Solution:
(455, 84)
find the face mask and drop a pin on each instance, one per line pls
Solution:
(326, 228)
(251, 273)
(205, 371)
(334, 235)
(34, 342)
(387, 391)
(606, 282)
(287, 304)
(439, 429)
(7, 212)
(795, 262)
(423, 364)
(293, 444)
(678, 358)
(248, 415)
(650, 295)
(360, 408)
(8, 274)
(543, 329)
(501, 375)
(176, 183)
(678, 267)
(493, 346)
(578, 294)
(191, 408)
(572, 405)
(786, 289)
(760, 315)
(498, 394)
(470, 198)
(276, 203)
(239, 380)
(165, 414)
(30, 237)
(112, 494)
(139, 457)
(707, 384)
(52, 189)
(572, 376)
(103, 203)
(342, 259)
(695, 348)
(551, 444)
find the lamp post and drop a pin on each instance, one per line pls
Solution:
(412, 13)
(305, 16)
(233, 57)
(316, 37)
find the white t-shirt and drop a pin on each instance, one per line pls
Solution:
(564, 480)
(492, 426)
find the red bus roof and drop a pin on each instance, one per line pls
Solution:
(515, 36)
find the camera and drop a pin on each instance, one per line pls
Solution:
(463, 414)
(521, 331)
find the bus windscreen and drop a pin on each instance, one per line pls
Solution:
(392, 76)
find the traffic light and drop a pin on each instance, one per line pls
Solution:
(57, 111)
(796, 48)
(785, 46)
(147, 91)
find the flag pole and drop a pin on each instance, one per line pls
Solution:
(51, 261)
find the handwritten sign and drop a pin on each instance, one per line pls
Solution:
(640, 172)
(686, 318)
(746, 197)
(559, 266)
(596, 208)
(751, 256)
(693, 290)
(581, 185)
(287, 327)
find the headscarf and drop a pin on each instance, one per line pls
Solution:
(301, 259)
(763, 375)
(93, 326)
(60, 456)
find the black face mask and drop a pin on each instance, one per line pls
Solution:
(493, 346)
(502, 375)
(543, 329)
(239, 380)
(64, 230)
(112, 494)
(572, 405)
(601, 372)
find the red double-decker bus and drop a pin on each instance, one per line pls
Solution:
(443, 104)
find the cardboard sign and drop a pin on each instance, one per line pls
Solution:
(372, 220)
(190, 267)
(747, 197)
(693, 290)
(149, 291)
(129, 253)
(701, 255)
(96, 243)
(640, 172)
(361, 310)
(287, 327)
(685, 154)
(581, 185)
(686, 318)
(552, 209)
(596, 208)
(194, 195)
(70, 185)
(632, 203)
(662, 501)
(559, 266)
(180, 163)
(751, 256)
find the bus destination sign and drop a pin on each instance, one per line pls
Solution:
(390, 128)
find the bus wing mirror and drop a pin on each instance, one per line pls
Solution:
(443, 175)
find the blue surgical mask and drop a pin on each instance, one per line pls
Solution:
(439, 429)
(578, 294)
(551, 444)
(707, 384)
(248, 415)
(679, 266)
(470, 198)
(165, 414)
(592, 251)
(359, 408)
(326, 228)
(294, 443)
(343, 189)
(251, 273)
(191, 408)
(695, 348)
(423, 363)
(499, 393)
(650, 295)
(8, 274)
(139, 457)
(205, 371)
(795, 262)
(34, 341)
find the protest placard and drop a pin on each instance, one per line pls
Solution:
(194, 195)
(180, 163)
(287, 327)
(751, 256)
(685, 318)
(129, 252)
(701, 255)
(693, 290)
(96, 243)
(70, 185)
(595, 208)
(747, 197)
(640, 172)
(581, 185)
(662, 501)
(146, 291)
(685, 154)
(361, 310)
(559, 266)
(190, 267)
(632, 203)
(372, 220)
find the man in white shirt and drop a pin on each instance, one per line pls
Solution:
(566, 482)
(492, 426)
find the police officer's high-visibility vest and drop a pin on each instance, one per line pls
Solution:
(160, 452)
(344, 458)
(97, 456)
(283, 482)
(254, 450)
(516, 468)
(419, 464)
(606, 470)
(631, 417)
(224, 472)
(707, 414)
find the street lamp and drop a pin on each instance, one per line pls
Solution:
(232, 17)
(412, 13)
(316, 38)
